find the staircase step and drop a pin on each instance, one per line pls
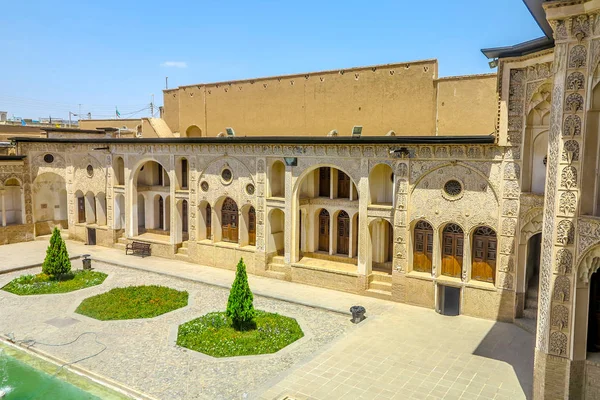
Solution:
(381, 278)
(182, 250)
(278, 260)
(383, 286)
(184, 245)
(530, 313)
(527, 324)
(276, 267)
(531, 303)
(379, 294)
(182, 257)
(276, 275)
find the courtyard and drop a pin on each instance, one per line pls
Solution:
(398, 352)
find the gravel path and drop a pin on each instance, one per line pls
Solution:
(142, 353)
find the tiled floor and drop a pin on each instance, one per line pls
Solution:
(414, 353)
(399, 352)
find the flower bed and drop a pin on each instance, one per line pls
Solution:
(45, 284)
(214, 335)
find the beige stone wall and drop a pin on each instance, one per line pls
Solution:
(420, 292)
(399, 97)
(490, 304)
(46, 227)
(16, 233)
(467, 105)
(328, 279)
(109, 123)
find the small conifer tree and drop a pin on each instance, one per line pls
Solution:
(57, 259)
(239, 305)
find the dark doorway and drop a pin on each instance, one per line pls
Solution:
(324, 180)
(343, 185)
(343, 239)
(593, 336)
(208, 222)
(184, 216)
(324, 230)
(91, 236)
(161, 213)
(252, 227)
(449, 301)
(81, 210)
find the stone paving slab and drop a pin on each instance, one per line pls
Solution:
(142, 354)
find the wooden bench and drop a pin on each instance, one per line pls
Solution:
(138, 248)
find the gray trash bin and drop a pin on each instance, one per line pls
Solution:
(358, 313)
(87, 261)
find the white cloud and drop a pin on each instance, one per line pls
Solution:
(175, 64)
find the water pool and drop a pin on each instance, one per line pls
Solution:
(26, 377)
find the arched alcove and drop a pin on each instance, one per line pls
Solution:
(382, 245)
(13, 202)
(275, 242)
(119, 171)
(101, 209)
(535, 147)
(119, 213)
(90, 208)
(152, 181)
(381, 185)
(50, 205)
(193, 131)
(277, 179)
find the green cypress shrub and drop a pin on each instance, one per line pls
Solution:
(239, 304)
(57, 260)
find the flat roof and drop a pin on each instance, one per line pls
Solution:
(12, 158)
(74, 130)
(397, 140)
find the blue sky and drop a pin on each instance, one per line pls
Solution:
(102, 54)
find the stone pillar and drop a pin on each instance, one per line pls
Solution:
(364, 265)
(558, 372)
(331, 233)
(3, 208)
(174, 225)
(351, 235)
(291, 220)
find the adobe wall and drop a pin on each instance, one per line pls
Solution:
(467, 105)
(399, 97)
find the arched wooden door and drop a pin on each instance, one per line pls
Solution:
(343, 231)
(229, 218)
(452, 250)
(252, 227)
(184, 216)
(161, 213)
(343, 185)
(324, 230)
(423, 247)
(324, 180)
(208, 222)
(485, 246)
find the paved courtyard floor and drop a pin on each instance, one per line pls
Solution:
(399, 352)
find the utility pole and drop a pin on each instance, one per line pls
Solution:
(166, 82)
(152, 107)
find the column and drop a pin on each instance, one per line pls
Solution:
(290, 239)
(351, 234)
(331, 233)
(3, 209)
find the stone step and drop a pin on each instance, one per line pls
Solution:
(182, 250)
(383, 286)
(63, 234)
(276, 275)
(184, 245)
(527, 324)
(531, 303)
(276, 267)
(278, 260)
(379, 294)
(182, 257)
(530, 313)
(123, 241)
(381, 278)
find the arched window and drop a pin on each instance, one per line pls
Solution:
(120, 171)
(452, 250)
(484, 254)
(343, 230)
(277, 179)
(229, 218)
(324, 230)
(252, 227)
(184, 173)
(423, 247)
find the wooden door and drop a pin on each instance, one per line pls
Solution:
(343, 239)
(324, 180)
(343, 185)
(161, 213)
(184, 174)
(252, 227)
(483, 267)
(229, 215)
(593, 337)
(208, 222)
(423, 247)
(452, 250)
(324, 231)
(80, 209)
(184, 216)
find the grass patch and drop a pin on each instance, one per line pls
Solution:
(45, 284)
(213, 334)
(133, 302)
